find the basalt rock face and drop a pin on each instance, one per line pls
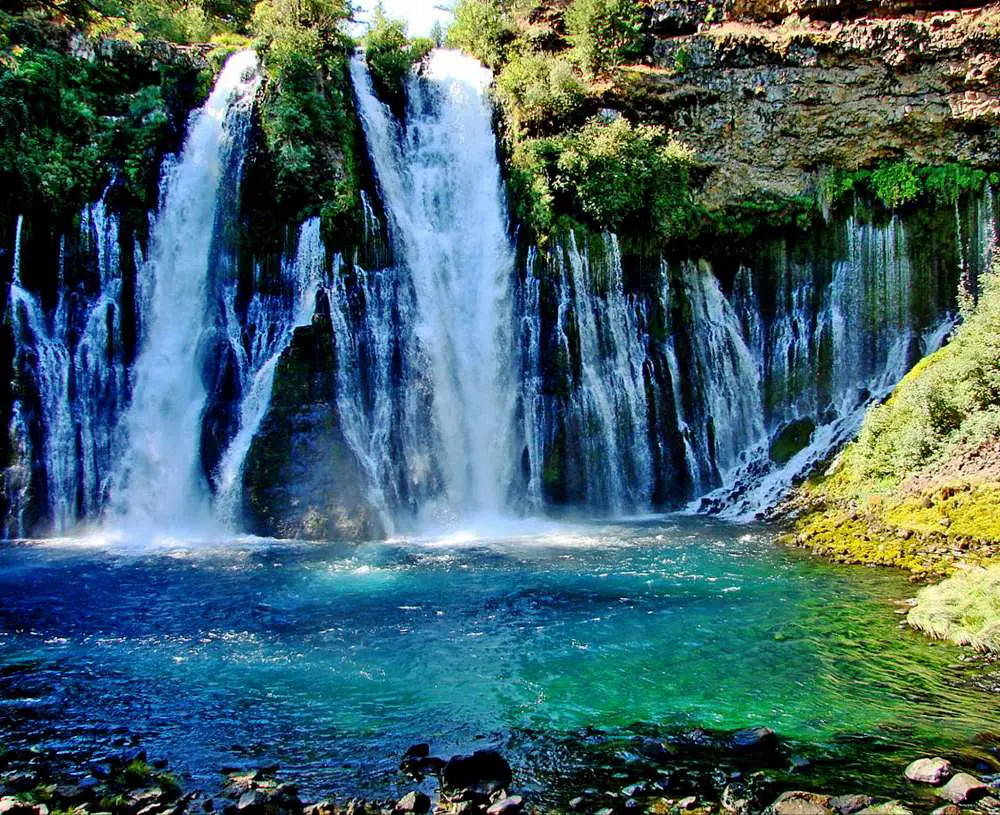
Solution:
(767, 106)
(301, 478)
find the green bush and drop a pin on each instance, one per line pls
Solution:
(949, 399)
(391, 55)
(613, 175)
(896, 184)
(484, 29)
(605, 33)
(306, 110)
(948, 182)
(539, 93)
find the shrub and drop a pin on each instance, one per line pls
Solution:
(896, 184)
(940, 404)
(391, 55)
(611, 174)
(948, 182)
(483, 29)
(539, 92)
(604, 33)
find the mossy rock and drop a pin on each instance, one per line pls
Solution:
(301, 479)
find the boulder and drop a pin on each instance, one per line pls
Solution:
(417, 751)
(963, 789)
(413, 803)
(849, 804)
(14, 806)
(506, 806)
(886, 808)
(301, 479)
(928, 770)
(252, 801)
(754, 740)
(484, 772)
(799, 802)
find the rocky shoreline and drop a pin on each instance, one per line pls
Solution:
(698, 772)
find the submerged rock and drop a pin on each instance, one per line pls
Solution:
(849, 804)
(963, 789)
(928, 770)
(484, 772)
(798, 802)
(413, 803)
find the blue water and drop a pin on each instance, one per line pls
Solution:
(330, 659)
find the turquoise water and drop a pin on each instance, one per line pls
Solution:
(330, 660)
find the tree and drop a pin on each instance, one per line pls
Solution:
(604, 33)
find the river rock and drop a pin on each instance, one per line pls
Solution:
(798, 802)
(507, 806)
(252, 801)
(928, 770)
(849, 804)
(947, 809)
(886, 808)
(484, 772)
(413, 803)
(754, 740)
(14, 806)
(417, 751)
(963, 789)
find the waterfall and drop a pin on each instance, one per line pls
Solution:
(273, 319)
(440, 181)
(161, 478)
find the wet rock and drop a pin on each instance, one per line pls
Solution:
(849, 804)
(798, 763)
(576, 804)
(507, 806)
(963, 788)
(736, 798)
(798, 802)
(687, 803)
(887, 808)
(417, 751)
(928, 770)
(13, 806)
(754, 740)
(413, 803)
(484, 772)
(252, 801)
(605, 811)
(22, 781)
(634, 789)
(947, 809)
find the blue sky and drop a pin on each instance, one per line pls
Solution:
(420, 14)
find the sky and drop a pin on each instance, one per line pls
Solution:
(420, 14)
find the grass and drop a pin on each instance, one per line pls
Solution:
(964, 609)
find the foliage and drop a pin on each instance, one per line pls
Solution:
(69, 124)
(539, 93)
(896, 184)
(306, 111)
(940, 404)
(611, 174)
(484, 29)
(900, 183)
(682, 59)
(390, 55)
(965, 609)
(605, 33)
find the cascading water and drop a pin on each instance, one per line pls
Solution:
(440, 182)
(161, 480)
(274, 319)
